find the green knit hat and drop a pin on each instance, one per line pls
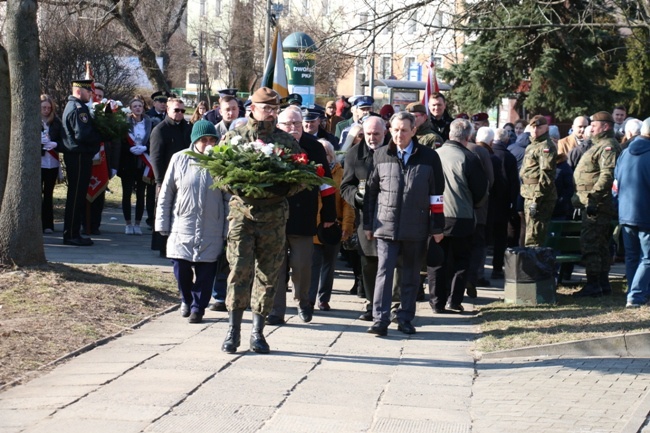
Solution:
(203, 128)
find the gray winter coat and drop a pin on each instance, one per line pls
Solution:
(191, 212)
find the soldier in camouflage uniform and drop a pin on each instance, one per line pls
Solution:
(425, 133)
(538, 182)
(256, 232)
(594, 176)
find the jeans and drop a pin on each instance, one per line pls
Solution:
(637, 263)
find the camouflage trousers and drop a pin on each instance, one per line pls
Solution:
(537, 228)
(256, 236)
(595, 237)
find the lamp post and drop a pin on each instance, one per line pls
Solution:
(199, 91)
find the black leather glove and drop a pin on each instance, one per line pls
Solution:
(592, 210)
(532, 210)
(358, 200)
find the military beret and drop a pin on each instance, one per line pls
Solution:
(227, 92)
(538, 120)
(265, 95)
(480, 117)
(462, 116)
(364, 101)
(602, 116)
(82, 84)
(386, 111)
(416, 107)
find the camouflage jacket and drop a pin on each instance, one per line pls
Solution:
(537, 171)
(427, 136)
(594, 174)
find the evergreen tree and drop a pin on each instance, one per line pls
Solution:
(539, 54)
(632, 77)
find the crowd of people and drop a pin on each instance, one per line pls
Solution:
(419, 196)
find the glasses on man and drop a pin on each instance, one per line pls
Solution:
(179, 110)
(296, 124)
(269, 108)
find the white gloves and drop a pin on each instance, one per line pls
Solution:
(138, 149)
(44, 139)
(49, 145)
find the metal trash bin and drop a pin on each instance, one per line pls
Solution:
(530, 276)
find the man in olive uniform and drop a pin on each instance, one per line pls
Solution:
(537, 175)
(81, 140)
(256, 234)
(593, 177)
(425, 133)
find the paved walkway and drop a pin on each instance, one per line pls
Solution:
(326, 376)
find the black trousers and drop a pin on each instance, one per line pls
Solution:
(132, 179)
(500, 228)
(48, 181)
(447, 282)
(78, 167)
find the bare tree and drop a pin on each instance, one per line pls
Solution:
(21, 243)
(135, 36)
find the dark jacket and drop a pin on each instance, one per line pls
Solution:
(565, 190)
(56, 135)
(357, 167)
(466, 187)
(329, 137)
(303, 207)
(398, 205)
(506, 181)
(79, 133)
(155, 116)
(441, 126)
(167, 138)
(518, 150)
(128, 161)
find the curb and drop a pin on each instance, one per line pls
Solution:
(87, 348)
(634, 345)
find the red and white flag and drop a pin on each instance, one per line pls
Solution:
(432, 84)
(99, 175)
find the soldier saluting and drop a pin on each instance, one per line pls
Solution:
(593, 177)
(538, 182)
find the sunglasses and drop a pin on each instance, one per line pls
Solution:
(179, 110)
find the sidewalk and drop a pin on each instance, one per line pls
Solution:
(326, 376)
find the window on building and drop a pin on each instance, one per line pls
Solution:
(437, 60)
(326, 7)
(385, 67)
(361, 68)
(286, 7)
(363, 17)
(217, 8)
(202, 8)
(411, 25)
(408, 61)
(438, 20)
(305, 5)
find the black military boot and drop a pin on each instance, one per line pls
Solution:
(258, 342)
(233, 337)
(605, 286)
(592, 288)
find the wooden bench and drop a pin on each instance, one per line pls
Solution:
(564, 238)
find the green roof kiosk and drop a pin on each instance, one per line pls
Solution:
(299, 60)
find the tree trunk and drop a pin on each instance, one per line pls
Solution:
(5, 120)
(21, 238)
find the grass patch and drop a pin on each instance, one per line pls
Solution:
(51, 310)
(506, 326)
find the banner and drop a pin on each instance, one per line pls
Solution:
(432, 84)
(275, 76)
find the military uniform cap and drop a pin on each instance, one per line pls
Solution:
(364, 101)
(82, 84)
(353, 98)
(602, 116)
(227, 92)
(416, 107)
(538, 120)
(265, 95)
(480, 117)
(162, 96)
(312, 113)
(294, 98)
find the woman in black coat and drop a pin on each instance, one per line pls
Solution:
(51, 145)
